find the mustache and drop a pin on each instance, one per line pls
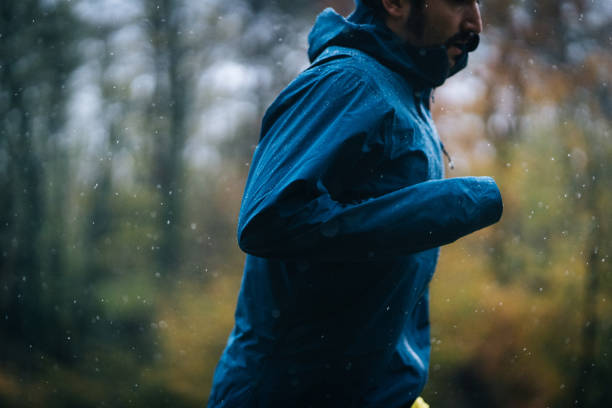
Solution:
(466, 40)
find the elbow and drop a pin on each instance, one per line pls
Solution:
(254, 237)
(247, 240)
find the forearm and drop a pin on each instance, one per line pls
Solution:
(412, 219)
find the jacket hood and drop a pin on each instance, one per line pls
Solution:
(366, 31)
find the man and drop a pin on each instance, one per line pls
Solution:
(344, 210)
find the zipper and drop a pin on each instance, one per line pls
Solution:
(451, 163)
(420, 109)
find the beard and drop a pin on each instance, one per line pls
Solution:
(416, 20)
(441, 67)
(467, 41)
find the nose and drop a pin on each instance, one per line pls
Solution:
(471, 18)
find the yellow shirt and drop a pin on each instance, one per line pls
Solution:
(420, 403)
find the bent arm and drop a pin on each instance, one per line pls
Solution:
(413, 219)
(314, 137)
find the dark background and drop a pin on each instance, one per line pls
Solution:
(126, 131)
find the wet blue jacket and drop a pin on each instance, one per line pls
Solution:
(343, 212)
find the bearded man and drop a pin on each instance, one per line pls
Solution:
(343, 212)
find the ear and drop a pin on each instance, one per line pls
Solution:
(396, 9)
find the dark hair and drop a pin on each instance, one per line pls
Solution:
(377, 4)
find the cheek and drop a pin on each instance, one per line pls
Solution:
(444, 25)
(437, 34)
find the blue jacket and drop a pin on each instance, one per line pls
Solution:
(343, 212)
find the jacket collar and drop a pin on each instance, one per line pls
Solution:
(425, 67)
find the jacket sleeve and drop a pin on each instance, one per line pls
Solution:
(314, 137)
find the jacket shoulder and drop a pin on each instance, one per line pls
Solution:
(328, 88)
(352, 61)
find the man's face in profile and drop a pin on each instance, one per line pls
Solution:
(444, 22)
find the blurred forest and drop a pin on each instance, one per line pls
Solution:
(126, 131)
